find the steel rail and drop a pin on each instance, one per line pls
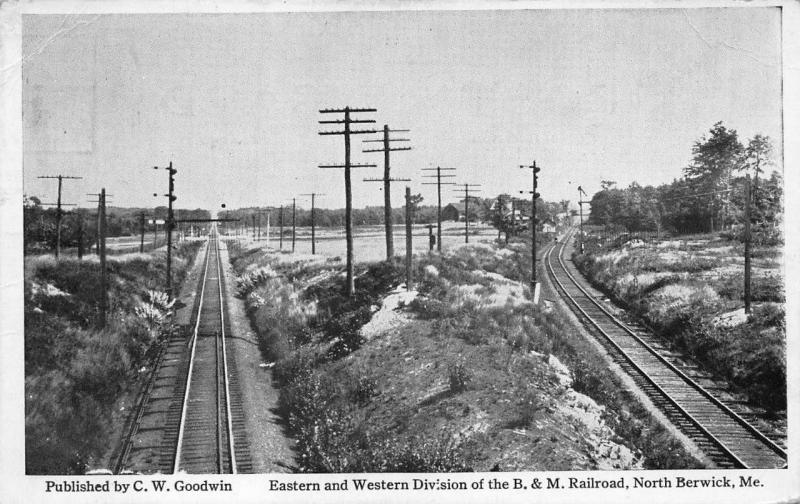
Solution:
(697, 387)
(184, 408)
(225, 362)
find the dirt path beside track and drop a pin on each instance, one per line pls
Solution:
(271, 450)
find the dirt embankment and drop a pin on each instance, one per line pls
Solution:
(464, 373)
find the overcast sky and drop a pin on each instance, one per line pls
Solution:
(233, 99)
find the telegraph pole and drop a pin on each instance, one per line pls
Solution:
(439, 185)
(294, 214)
(346, 122)
(313, 220)
(59, 212)
(467, 188)
(170, 222)
(409, 247)
(80, 235)
(387, 181)
(580, 204)
(101, 251)
(281, 226)
(141, 231)
(534, 196)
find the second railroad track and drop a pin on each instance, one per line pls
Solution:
(728, 439)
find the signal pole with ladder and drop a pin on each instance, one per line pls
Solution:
(534, 196)
(58, 204)
(170, 222)
(348, 209)
(387, 180)
(439, 185)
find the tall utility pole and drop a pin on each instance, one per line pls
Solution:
(466, 189)
(58, 204)
(313, 220)
(439, 185)
(141, 231)
(170, 223)
(101, 251)
(280, 217)
(387, 181)
(348, 209)
(294, 215)
(580, 204)
(534, 196)
(80, 235)
(747, 240)
(409, 248)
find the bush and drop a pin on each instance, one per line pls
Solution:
(528, 406)
(458, 376)
(363, 389)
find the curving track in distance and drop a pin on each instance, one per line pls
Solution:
(727, 439)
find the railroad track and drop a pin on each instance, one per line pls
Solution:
(728, 439)
(203, 431)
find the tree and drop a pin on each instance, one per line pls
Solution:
(757, 155)
(715, 157)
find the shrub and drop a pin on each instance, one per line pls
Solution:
(458, 376)
(528, 406)
(363, 389)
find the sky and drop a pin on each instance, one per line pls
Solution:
(233, 99)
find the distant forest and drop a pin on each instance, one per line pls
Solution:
(710, 196)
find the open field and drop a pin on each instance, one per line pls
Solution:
(369, 241)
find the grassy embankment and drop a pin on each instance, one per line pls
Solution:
(461, 378)
(74, 372)
(684, 288)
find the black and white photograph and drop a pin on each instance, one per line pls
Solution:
(354, 251)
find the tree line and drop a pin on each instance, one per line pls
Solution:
(39, 223)
(480, 209)
(709, 197)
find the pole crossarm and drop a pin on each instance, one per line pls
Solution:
(354, 165)
(351, 132)
(351, 121)
(389, 179)
(58, 177)
(346, 109)
(380, 140)
(390, 149)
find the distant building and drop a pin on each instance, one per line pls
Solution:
(453, 212)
